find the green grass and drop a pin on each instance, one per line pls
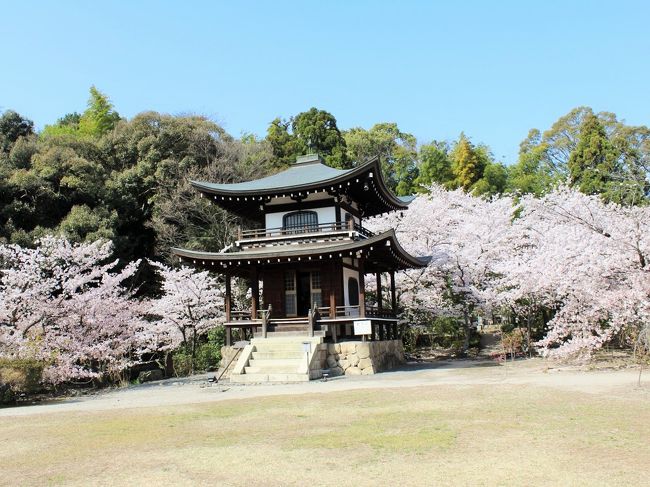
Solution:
(446, 435)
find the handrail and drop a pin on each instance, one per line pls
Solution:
(303, 229)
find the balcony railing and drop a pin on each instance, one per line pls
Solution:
(324, 312)
(353, 312)
(307, 229)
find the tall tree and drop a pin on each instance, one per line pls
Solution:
(467, 163)
(311, 131)
(435, 166)
(100, 116)
(12, 127)
(544, 157)
(593, 162)
(396, 149)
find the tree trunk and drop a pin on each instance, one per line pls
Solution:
(468, 325)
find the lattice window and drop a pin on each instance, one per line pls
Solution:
(290, 294)
(300, 221)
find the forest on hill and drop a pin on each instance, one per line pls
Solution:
(98, 175)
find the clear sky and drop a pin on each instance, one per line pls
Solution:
(493, 69)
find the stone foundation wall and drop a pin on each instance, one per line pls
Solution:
(227, 353)
(364, 358)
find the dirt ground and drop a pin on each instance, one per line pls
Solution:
(445, 423)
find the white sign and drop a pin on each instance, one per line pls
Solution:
(363, 327)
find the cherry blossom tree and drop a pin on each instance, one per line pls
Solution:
(463, 235)
(65, 305)
(586, 261)
(192, 303)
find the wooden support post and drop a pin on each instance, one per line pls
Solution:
(379, 296)
(227, 300)
(228, 336)
(332, 302)
(334, 332)
(381, 330)
(362, 290)
(255, 289)
(393, 296)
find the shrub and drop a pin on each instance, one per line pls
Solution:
(19, 376)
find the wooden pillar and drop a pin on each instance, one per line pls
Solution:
(255, 289)
(332, 300)
(393, 296)
(379, 294)
(382, 326)
(227, 300)
(362, 290)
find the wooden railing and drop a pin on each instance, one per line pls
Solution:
(379, 313)
(246, 315)
(303, 230)
(353, 312)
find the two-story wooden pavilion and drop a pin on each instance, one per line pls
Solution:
(311, 251)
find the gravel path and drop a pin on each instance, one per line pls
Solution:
(196, 389)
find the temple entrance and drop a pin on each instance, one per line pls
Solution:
(303, 293)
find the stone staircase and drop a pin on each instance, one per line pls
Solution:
(278, 358)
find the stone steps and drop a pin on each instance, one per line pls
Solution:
(278, 358)
(274, 377)
(272, 369)
(279, 354)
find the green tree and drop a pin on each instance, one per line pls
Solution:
(100, 116)
(396, 149)
(285, 146)
(435, 166)
(12, 127)
(311, 131)
(467, 163)
(593, 162)
(493, 181)
(544, 157)
(531, 173)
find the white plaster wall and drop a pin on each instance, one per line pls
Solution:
(325, 215)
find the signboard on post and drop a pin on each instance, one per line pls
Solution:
(363, 327)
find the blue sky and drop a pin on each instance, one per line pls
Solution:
(493, 69)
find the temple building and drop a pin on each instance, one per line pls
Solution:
(312, 255)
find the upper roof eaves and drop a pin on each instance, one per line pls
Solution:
(305, 172)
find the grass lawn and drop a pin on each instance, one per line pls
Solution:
(443, 435)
